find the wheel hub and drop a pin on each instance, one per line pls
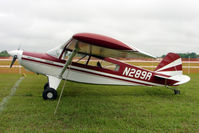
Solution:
(50, 95)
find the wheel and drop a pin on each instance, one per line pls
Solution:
(176, 92)
(49, 93)
(46, 85)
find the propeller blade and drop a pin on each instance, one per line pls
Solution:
(13, 60)
(19, 47)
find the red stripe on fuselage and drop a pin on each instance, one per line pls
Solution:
(44, 56)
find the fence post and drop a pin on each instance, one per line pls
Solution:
(189, 66)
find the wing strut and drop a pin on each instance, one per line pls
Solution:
(63, 70)
(76, 49)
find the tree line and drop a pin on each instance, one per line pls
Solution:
(4, 53)
(186, 55)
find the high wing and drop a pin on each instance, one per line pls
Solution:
(103, 46)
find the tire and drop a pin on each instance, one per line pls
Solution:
(46, 85)
(49, 94)
(176, 92)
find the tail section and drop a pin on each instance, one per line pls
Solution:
(171, 65)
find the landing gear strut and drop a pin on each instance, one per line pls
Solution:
(176, 92)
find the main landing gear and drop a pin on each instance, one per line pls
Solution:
(49, 93)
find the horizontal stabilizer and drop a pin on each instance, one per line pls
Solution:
(180, 78)
(161, 76)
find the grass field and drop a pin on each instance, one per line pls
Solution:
(97, 108)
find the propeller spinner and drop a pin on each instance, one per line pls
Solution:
(14, 54)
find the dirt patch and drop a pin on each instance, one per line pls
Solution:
(14, 70)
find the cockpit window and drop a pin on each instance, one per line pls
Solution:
(55, 52)
(84, 58)
(96, 62)
(109, 65)
(66, 55)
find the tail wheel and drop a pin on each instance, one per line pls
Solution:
(176, 92)
(49, 94)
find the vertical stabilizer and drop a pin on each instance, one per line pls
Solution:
(170, 65)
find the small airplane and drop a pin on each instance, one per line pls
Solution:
(90, 58)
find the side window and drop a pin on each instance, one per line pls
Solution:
(95, 62)
(91, 61)
(103, 64)
(110, 66)
(81, 58)
(66, 55)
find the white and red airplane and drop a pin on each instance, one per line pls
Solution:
(96, 64)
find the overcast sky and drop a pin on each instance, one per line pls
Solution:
(154, 26)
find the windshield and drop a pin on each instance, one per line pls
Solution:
(57, 51)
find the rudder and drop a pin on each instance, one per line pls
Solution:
(170, 65)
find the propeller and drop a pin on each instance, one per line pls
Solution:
(14, 54)
(13, 60)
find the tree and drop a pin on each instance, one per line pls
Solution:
(4, 54)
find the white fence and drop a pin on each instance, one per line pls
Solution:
(188, 66)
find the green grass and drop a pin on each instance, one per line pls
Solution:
(6, 83)
(98, 108)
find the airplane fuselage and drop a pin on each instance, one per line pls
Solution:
(125, 74)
